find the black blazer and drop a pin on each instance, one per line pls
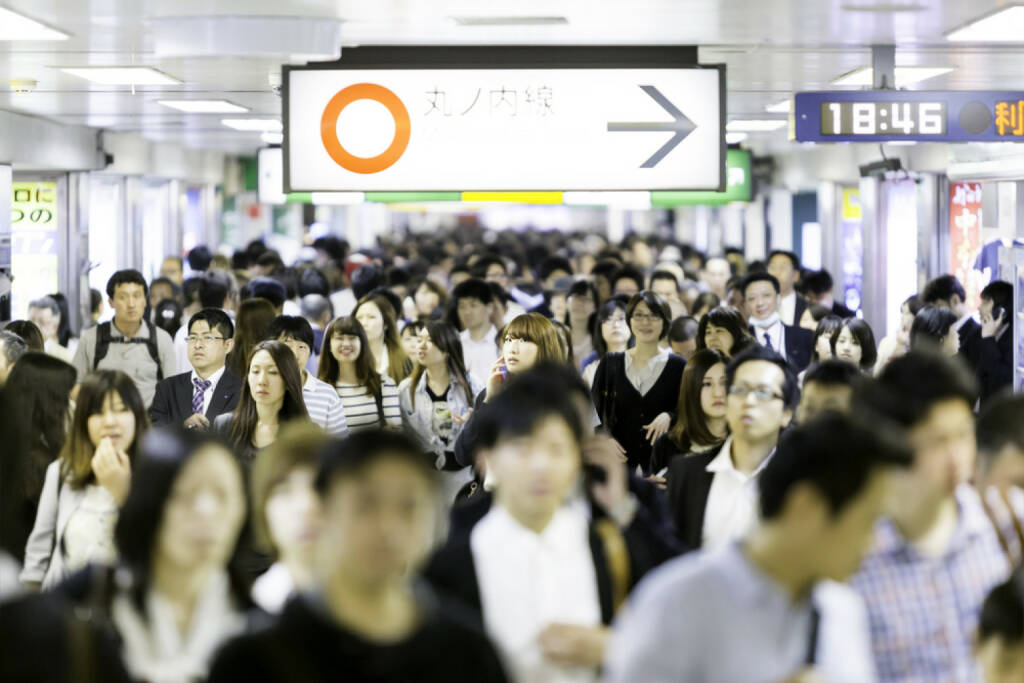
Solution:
(798, 310)
(995, 364)
(172, 403)
(689, 484)
(799, 344)
(970, 343)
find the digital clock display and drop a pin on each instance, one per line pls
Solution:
(890, 119)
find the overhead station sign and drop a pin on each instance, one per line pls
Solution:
(474, 127)
(886, 115)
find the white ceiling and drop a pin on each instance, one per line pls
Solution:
(772, 48)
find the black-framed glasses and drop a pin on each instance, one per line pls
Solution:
(762, 393)
(206, 339)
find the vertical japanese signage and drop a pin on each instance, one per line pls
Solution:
(965, 238)
(34, 232)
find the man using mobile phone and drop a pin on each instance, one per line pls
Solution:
(995, 351)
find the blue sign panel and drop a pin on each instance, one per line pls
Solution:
(884, 115)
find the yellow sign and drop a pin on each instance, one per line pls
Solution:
(851, 205)
(1010, 118)
(34, 206)
(34, 234)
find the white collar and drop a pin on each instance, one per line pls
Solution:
(212, 379)
(723, 461)
(661, 356)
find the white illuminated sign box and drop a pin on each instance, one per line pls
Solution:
(498, 129)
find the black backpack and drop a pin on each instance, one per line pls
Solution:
(103, 341)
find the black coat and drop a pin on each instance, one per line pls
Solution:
(799, 345)
(970, 343)
(995, 364)
(689, 484)
(172, 403)
(624, 412)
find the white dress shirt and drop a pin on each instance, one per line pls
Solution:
(644, 377)
(528, 581)
(479, 356)
(787, 308)
(731, 510)
(775, 332)
(208, 394)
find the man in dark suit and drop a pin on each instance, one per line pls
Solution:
(195, 398)
(818, 286)
(761, 296)
(713, 495)
(995, 344)
(784, 266)
(946, 291)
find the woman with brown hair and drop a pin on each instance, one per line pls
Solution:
(251, 323)
(430, 299)
(84, 488)
(700, 424)
(378, 319)
(370, 398)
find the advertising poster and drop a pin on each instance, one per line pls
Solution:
(965, 238)
(34, 231)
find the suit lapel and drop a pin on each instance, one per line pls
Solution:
(225, 390)
(183, 394)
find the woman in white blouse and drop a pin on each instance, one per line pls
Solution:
(347, 363)
(86, 485)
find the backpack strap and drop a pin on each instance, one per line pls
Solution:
(102, 344)
(104, 339)
(154, 349)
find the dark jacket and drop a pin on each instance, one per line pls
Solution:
(841, 310)
(995, 364)
(799, 345)
(306, 646)
(624, 412)
(970, 343)
(172, 403)
(689, 484)
(466, 443)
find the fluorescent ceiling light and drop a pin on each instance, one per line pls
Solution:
(14, 26)
(121, 75)
(510, 21)
(272, 138)
(337, 198)
(619, 200)
(254, 125)
(884, 8)
(905, 75)
(204, 106)
(901, 143)
(755, 126)
(735, 138)
(782, 107)
(1003, 25)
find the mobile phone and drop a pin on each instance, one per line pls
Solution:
(504, 371)
(997, 312)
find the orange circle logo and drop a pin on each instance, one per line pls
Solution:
(329, 128)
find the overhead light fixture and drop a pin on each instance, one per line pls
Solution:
(883, 7)
(510, 21)
(247, 36)
(254, 125)
(337, 198)
(735, 138)
(121, 75)
(1001, 26)
(755, 125)
(783, 107)
(204, 106)
(272, 138)
(902, 143)
(864, 77)
(14, 26)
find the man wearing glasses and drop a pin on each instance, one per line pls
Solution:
(195, 398)
(714, 494)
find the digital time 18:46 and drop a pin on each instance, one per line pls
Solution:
(883, 118)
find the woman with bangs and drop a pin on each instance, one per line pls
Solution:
(378, 318)
(369, 396)
(611, 335)
(85, 487)
(723, 329)
(635, 392)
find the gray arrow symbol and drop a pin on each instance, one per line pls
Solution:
(681, 126)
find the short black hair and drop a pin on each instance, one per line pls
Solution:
(473, 288)
(793, 258)
(293, 326)
(834, 453)
(1002, 612)
(790, 395)
(199, 258)
(481, 265)
(665, 275)
(551, 264)
(498, 293)
(683, 329)
(832, 372)
(861, 331)
(397, 276)
(267, 288)
(29, 333)
(760, 277)
(526, 401)
(269, 259)
(165, 281)
(313, 281)
(910, 385)
(128, 276)
(1000, 293)
(359, 450)
(95, 300)
(217, 319)
(214, 287)
(1000, 424)
(368, 278)
(628, 272)
(943, 288)
(930, 325)
(817, 282)
(605, 268)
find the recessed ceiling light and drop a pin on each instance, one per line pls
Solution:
(735, 138)
(883, 7)
(254, 125)
(1003, 26)
(204, 106)
(14, 26)
(510, 21)
(782, 107)
(272, 138)
(905, 75)
(121, 75)
(755, 125)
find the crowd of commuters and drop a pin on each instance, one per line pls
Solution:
(512, 457)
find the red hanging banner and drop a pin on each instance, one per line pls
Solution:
(965, 238)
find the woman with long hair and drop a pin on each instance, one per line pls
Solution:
(251, 323)
(271, 396)
(611, 334)
(636, 392)
(821, 340)
(933, 328)
(700, 422)
(724, 329)
(40, 386)
(347, 363)
(378, 319)
(437, 400)
(854, 343)
(176, 596)
(84, 488)
(581, 304)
